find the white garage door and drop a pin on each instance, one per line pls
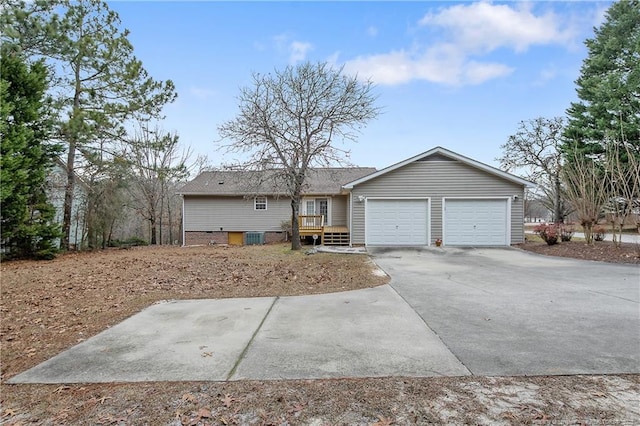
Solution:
(475, 222)
(397, 222)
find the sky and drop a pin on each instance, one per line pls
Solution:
(460, 75)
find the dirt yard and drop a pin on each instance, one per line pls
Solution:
(49, 306)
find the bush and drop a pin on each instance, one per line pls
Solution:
(566, 232)
(285, 225)
(598, 233)
(129, 242)
(549, 233)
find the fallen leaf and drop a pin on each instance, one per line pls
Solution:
(109, 420)
(204, 413)
(541, 416)
(296, 408)
(103, 399)
(227, 400)
(59, 389)
(599, 394)
(383, 421)
(206, 354)
(189, 397)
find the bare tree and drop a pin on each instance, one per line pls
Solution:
(156, 161)
(535, 150)
(585, 181)
(290, 121)
(623, 173)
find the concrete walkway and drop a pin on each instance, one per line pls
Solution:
(364, 333)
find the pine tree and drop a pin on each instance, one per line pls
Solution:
(99, 82)
(28, 228)
(609, 85)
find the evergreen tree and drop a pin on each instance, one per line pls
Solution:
(99, 82)
(28, 228)
(609, 85)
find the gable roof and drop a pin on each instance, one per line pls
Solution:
(321, 181)
(439, 151)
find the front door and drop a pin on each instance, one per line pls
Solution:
(317, 206)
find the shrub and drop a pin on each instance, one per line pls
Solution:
(598, 233)
(566, 232)
(549, 233)
(129, 242)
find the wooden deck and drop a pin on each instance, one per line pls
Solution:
(331, 235)
(310, 225)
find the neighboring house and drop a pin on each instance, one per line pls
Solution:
(435, 195)
(56, 184)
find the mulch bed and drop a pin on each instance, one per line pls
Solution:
(603, 251)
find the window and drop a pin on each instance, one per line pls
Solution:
(260, 203)
(316, 206)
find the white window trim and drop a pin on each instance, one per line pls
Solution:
(255, 203)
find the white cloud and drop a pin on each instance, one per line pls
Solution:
(435, 66)
(298, 51)
(545, 76)
(463, 34)
(202, 92)
(333, 59)
(484, 27)
(478, 72)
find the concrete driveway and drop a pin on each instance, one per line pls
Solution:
(509, 312)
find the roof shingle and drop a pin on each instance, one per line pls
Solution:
(321, 181)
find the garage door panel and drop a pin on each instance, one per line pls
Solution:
(397, 222)
(476, 222)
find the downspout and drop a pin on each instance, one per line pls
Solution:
(184, 233)
(350, 218)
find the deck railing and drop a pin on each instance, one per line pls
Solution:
(310, 222)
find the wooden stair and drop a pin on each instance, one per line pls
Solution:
(335, 236)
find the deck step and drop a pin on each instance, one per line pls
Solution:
(336, 239)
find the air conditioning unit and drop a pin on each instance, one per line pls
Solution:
(253, 238)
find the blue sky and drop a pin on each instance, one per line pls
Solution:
(455, 74)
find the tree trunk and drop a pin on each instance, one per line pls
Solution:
(110, 237)
(154, 241)
(68, 196)
(557, 202)
(161, 216)
(170, 221)
(295, 228)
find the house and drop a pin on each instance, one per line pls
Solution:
(235, 207)
(436, 195)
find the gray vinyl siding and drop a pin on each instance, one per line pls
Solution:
(234, 214)
(339, 210)
(438, 179)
